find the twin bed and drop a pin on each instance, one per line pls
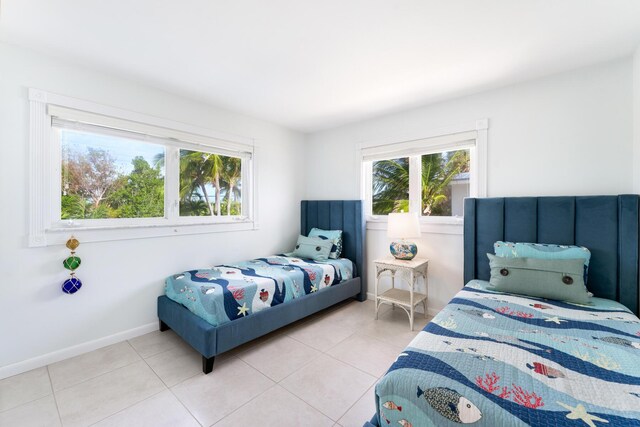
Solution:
(496, 359)
(217, 309)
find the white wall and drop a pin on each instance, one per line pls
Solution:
(562, 135)
(121, 279)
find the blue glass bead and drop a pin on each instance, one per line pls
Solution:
(71, 285)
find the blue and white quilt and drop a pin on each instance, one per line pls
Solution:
(227, 292)
(495, 359)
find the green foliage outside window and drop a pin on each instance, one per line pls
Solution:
(204, 176)
(391, 183)
(93, 187)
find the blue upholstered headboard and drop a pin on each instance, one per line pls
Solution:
(607, 225)
(345, 215)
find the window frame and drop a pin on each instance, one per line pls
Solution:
(451, 138)
(46, 227)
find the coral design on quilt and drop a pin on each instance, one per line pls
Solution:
(528, 399)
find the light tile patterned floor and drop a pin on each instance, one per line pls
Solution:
(320, 371)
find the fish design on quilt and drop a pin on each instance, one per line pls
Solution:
(484, 357)
(623, 320)
(207, 290)
(405, 423)
(540, 306)
(478, 313)
(451, 404)
(392, 406)
(327, 279)
(545, 370)
(619, 341)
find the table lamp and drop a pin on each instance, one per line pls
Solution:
(403, 226)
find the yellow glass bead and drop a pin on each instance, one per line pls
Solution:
(73, 243)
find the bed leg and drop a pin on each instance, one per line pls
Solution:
(163, 326)
(207, 364)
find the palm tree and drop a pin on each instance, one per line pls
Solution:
(437, 172)
(197, 170)
(391, 182)
(231, 174)
(214, 168)
(390, 186)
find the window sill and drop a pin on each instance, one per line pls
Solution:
(59, 235)
(431, 226)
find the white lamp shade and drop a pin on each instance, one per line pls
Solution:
(403, 225)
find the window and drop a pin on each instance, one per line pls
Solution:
(390, 186)
(109, 177)
(444, 181)
(431, 176)
(210, 184)
(95, 169)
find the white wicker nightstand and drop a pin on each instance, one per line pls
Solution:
(407, 300)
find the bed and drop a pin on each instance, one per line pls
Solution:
(496, 359)
(212, 332)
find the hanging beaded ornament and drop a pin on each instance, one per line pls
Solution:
(72, 284)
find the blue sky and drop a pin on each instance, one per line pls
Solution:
(121, 149)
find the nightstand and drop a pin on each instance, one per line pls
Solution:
(405, 299)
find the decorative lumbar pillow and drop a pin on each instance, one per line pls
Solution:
(543, 251)
(313, 248)
(335, 236)
(559, 279)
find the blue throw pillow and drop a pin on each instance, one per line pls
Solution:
(543, 251)
(335, 236)
(313, 248)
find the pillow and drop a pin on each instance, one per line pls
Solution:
(313, 248)
(335, 236)
(559, 279)
(543, 251)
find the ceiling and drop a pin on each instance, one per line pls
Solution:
(312, 65)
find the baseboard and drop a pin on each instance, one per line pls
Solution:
(76, 350)
(430, 311)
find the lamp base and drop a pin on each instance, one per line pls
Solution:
(403, 250)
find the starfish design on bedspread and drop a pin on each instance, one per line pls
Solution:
(243, 310)
(555, 319)
(580, 413)
(314, 288)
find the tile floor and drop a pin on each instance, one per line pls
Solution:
(320, 371)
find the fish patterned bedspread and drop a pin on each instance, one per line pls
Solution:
(495, 359)
(227, 292)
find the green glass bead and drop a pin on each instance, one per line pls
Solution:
(71, 263)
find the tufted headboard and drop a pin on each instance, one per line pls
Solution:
(607, 225)
(345, 215)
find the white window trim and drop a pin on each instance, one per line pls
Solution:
(478, 184)
(45, 230)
